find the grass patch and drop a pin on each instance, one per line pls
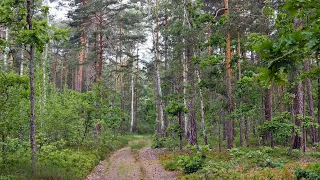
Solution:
(135, 145)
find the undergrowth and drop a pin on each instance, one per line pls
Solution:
(243, 163)
(59, 160)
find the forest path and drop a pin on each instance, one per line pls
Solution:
(136, 162)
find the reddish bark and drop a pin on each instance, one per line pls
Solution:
(230, 124)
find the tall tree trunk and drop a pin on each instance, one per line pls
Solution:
(132, 100)
(203, 123)
(318, 98)
(209, 38)
(298, 112)
(228, 82)
(240, 132)
(310, 99)
(137, 94)
(239, 57)
(61, 77)
(239, 77)
(121, 71)
(66, 72)
(246, 130)
(6, 53)
(192, 139)
(100, 44)
(268, 111)
(54, 68)
(83, 41)
(158, 80)
(117, 74)
(184, 76)
(319, 109)
(180, 132)
(21, 62)
(32, 101)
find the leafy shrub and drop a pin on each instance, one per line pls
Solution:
(312, 172)
(315, 154)
(259, 158)
(296, 153)
(190, 164)
(157, 142)
(216, 168)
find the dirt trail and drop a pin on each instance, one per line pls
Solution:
(153, 169)
(127, 164)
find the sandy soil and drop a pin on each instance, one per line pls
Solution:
(153, 169)
(126, 165)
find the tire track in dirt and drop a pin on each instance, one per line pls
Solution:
(122, 166)
(153, 170)
(126, 165)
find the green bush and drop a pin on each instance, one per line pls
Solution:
(190, 164)
(312, 172)
(258, 158)
(157, 142)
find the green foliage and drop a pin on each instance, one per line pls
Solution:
(157, 141)
(190, 164)
(256, 158)
(194, 161)
(171, 165)
(174, 108)
(215, 168)
(312, 172)
(280, 127)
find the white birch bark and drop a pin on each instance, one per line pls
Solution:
(5, 55)
(202, 110)
(184, 74)
(21, 61)
(158, 80)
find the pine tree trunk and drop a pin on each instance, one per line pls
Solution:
(66, 73)
(239, 77)
(132, 101)
(184, 76)
(32, 100)
(310, 99)
(228, 83)
(246, 130)
(240, 132)
(192, 139)
(54, 68)
(180, 132)
(137, 94)
(82, 54)
(61, 77)
(100, 45)
(318, 109)
(298, 112)
(268, 112)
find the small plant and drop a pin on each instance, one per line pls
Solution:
(171, 165)
(157, 142)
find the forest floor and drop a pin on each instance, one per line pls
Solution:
(135, 162)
